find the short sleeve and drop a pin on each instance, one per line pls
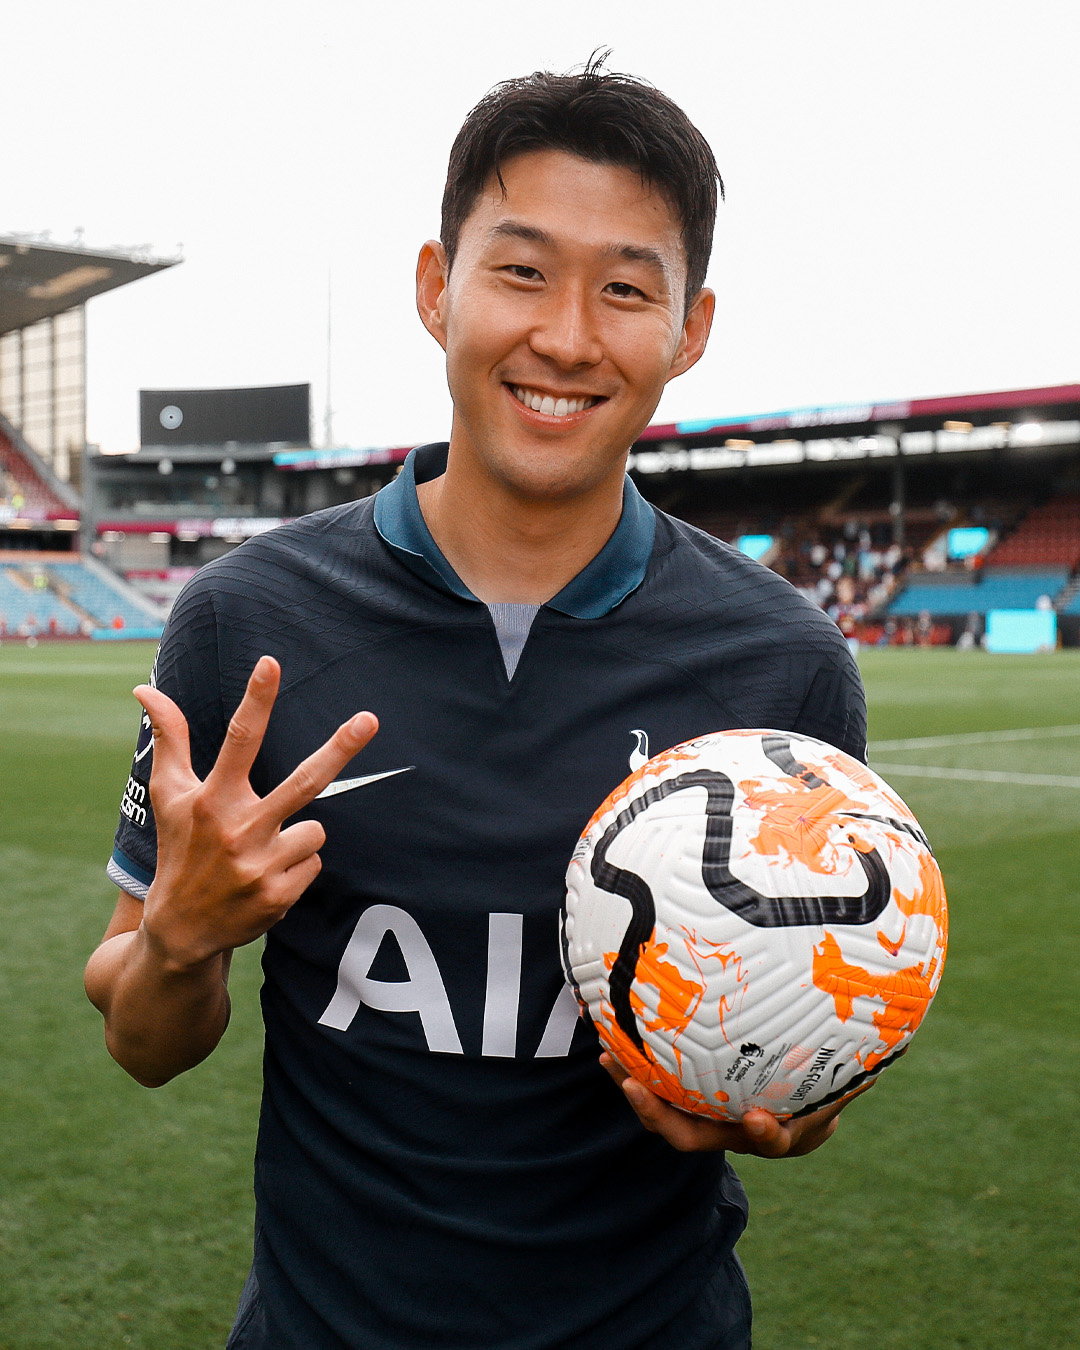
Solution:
(187, 669)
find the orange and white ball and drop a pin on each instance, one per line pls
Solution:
(754, 919)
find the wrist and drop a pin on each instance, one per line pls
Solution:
(172, 952)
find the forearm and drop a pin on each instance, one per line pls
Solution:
(160, 1019)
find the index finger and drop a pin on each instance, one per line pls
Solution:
(320, 769)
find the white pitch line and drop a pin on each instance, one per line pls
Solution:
(977, 775)
(976, 738)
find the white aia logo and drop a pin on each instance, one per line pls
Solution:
(424, 991)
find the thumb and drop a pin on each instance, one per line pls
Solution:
(172, 748)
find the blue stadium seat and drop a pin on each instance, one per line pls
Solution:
(994, 590)
(37, 611)
(93, 594)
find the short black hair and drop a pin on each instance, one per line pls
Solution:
(601, 116)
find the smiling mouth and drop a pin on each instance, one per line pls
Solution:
(549, 404)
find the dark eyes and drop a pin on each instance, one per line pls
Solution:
(622, 290)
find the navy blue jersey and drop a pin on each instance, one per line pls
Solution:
(441, 1160)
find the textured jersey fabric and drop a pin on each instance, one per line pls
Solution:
(441, 1161)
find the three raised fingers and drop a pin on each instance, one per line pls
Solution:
(243, 739)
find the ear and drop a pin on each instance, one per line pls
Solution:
(431, 274)
(695, 332)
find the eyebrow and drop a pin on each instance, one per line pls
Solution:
(639, 253)
(516, 229)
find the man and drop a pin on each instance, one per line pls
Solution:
(441, 1160)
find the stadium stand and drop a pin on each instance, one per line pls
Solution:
(30, 609)
(56, 595)
(99, 596)
(1049, 535)
(159, 585)
(1031, 567)
(989, 589)
(23, 484)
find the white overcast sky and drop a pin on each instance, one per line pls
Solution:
(903, 209)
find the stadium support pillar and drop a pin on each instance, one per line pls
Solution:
(898, 504)
(88, 509)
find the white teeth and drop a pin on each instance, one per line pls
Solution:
(545, 403)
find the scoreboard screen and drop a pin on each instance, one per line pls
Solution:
(275, 414)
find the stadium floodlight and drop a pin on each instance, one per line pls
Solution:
(1027, 433)
(77, 279)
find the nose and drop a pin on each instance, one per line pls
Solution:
(566, 331)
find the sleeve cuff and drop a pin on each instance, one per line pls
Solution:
(126, 873)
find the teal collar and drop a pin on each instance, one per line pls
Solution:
(616, 571)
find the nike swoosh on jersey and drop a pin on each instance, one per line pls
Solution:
(347, 784)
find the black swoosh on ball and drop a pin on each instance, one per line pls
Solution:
(762, 911)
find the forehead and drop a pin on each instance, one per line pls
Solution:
(575, 203)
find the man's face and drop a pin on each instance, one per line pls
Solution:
(562, 321)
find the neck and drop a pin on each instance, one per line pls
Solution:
(511, 549)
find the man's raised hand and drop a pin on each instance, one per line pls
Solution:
(227, 871)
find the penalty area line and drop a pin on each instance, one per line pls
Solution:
(976, 738)
(977, 775)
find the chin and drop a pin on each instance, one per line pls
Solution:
(547, 482)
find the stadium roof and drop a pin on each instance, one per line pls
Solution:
(823, 418)
(858, 414)
(39, 279)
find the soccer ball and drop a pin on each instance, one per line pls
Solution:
(754, 919)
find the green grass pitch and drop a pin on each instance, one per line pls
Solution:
(944, 1214)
